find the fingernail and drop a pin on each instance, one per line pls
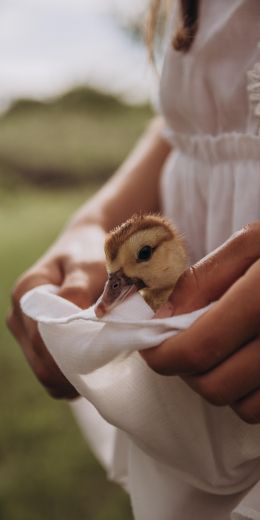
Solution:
(165, 311)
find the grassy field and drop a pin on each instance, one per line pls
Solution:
(46, 469)
(80, 135)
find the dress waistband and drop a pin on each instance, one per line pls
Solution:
(210, 148)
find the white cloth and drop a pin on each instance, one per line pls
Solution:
(208, 448)
(122, 331)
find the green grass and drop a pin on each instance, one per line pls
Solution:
(82, 135)
(46, 468)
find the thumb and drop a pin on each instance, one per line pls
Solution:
(83, 286)
(207, 280)
(75, 287)
(36, 276)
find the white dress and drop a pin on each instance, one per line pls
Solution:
(210, 98)
(179, 457)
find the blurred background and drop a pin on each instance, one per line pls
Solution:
(75, 94)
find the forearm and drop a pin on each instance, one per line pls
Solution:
(133, 188)
(76, 263)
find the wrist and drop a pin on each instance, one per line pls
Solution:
(81, 222)
(79, 242)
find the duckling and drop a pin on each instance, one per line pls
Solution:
(144, 254)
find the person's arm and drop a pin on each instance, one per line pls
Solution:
(75, 262)
(134, 186)
(219, 355)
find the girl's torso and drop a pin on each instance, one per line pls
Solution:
(210, 98)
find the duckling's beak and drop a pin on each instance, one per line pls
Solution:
(117, 288)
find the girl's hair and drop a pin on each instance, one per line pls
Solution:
(185, 34)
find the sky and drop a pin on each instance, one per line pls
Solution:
(48, 46)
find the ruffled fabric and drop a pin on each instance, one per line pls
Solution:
(212, 149)
(254, 87)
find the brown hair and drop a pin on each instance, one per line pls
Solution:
(185, 34)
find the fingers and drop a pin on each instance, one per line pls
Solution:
(83, 285)
(26, 333)
(75, 288)
(219, 356)
(207, 280)
(232, 380)
(75, 264)
(32, 279)
(232, 322)
(248, 408)
(41, 362)
(235, 383)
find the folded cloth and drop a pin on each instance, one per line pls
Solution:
(97, 341)
(248, 508)
(209, 448)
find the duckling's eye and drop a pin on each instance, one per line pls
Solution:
(144, 254)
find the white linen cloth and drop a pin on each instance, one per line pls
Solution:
(160, 439)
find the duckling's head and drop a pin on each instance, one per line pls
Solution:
(145, 252)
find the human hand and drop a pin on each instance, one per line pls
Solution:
(219, 355)
(76, 264)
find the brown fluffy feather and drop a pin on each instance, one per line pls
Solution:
(121, 233)
(160, 273)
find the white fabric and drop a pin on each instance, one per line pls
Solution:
(122, 331)
(249, 506)
(164, 439)
(210, 98)
(181, 458)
